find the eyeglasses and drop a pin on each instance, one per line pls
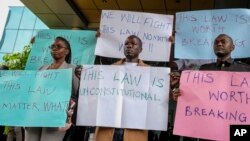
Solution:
(58, 47)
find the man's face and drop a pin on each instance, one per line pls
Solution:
(223, 46)
(78, 73)
(132, 48)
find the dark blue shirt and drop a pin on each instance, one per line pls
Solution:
(228, 65)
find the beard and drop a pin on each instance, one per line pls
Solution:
(129, 56)
(219, 54)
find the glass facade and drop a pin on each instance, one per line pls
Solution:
(20, 27)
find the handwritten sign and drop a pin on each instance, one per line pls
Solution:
(124, 97)
(211, 101)
(153, 29)
(196, 31)
(34, 98)
(82, 47)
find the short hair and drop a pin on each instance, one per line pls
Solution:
(230, 38)
(78, 67)
(139, 39)
(68, 57)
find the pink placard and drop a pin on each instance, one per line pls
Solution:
(210, 102)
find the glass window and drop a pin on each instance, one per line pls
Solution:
(8, 41)
(14, 17)
(40, 24)
(23, 39)
(34, 32)
(28, 20)
(20, 27)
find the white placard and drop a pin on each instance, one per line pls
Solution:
(124, 97)
(153, 29)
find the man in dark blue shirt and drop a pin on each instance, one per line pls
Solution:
(223, 46)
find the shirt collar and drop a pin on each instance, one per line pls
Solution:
(140, 62)
(228, 62)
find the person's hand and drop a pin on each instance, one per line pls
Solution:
(98, 33)
(171, 39)
(176, 92)
(70, 113)
(174, 79)
(69, 121)
(65, 128)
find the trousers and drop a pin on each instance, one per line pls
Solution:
(43, 134)
(15, 133)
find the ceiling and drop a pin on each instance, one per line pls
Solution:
(85, 14)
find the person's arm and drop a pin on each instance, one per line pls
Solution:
(68, 122)
(75, 87)
(176, 93)
(171, 59)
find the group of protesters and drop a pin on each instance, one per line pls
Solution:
(61, 54)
